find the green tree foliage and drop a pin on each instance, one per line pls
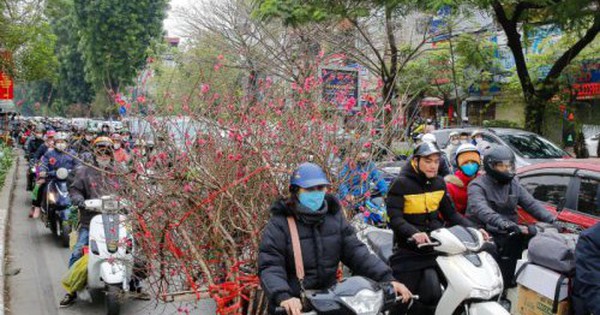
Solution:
(578, 18)
(115, 38)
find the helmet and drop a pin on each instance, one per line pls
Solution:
(426, 149)
(453, 134)
(463, 155)
(500, 154)
(429, 121)
(102, 142)
(429, 137)
(61, 136)
(39, 128)
(50, 133)
(115, 137)
(309, 175)
(476, 133)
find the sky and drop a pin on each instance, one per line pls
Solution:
(171, 24)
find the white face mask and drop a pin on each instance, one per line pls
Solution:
(61, 146)
(117, 146)
(455, 141)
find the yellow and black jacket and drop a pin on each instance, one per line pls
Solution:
(418, 204)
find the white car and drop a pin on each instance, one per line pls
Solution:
(592, 145)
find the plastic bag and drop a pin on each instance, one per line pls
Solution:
(76, 279)
(73, 238)
(34, 192)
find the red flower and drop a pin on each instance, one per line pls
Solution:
(52, 161)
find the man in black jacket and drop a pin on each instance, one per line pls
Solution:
(326, 239)
(586, 288)
(414, 204)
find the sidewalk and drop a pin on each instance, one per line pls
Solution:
(6, 197)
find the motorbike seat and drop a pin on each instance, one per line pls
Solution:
(382, 243)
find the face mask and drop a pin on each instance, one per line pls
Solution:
(104, 163)
(313, 200)
(89, 138)
(117, 146)
(463, 141)
(470, 169)
(455, 142)
(39, 135)
(478, 139)
(61, 146)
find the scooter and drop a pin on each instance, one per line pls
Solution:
(473, 278)
(58, 207)
(31, 173)
(352, 296)
(111, 249)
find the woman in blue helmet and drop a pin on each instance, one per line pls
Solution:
(326, 239)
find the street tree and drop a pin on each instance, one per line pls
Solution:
(581, 18)
(116, 37)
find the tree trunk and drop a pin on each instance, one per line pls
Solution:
(534, 113)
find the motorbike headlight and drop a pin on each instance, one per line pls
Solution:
(51, 198)
(62, 173)
(365, 302)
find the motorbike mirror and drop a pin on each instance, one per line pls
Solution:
(62, 173)
(93, 203)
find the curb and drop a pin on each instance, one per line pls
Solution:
(6, 196)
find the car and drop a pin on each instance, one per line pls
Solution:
(529, 148)
(592, 145)
(570, 188)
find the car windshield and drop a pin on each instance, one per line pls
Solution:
(531, 146)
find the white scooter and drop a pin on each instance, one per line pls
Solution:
(474, 281)
(111, 248)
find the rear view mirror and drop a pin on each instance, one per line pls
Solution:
(561, 204)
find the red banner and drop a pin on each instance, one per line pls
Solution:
(587, 90)
(6, 87)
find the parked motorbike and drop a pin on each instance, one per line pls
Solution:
(57, 208)
(352, 296)
(473, 279)
(111, 249)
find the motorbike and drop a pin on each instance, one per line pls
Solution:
(57, 208)
(110, 250)
(469, 279)
(351, 296)
(31, 173)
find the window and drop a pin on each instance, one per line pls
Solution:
(547, 188)
(588, 200)
(531, 146)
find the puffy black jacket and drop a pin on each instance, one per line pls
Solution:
(414, 204)
(90, 183)
(325, 242)
(586, 288)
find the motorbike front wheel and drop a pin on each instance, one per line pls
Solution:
(65, 234)
(113, 295)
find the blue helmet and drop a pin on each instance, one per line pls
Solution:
(309, 175)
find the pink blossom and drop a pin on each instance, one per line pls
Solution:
(364, 176)
(141, 99)
(220, 57)
(205, 88)
(367, 145)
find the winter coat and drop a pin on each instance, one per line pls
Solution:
(41, 150)
(414, 204)
(457, 190)
(33, 143)
(55, 159)
(326, 239)
(357, 180)
(494, 205)
(586, 287)
(90, 183)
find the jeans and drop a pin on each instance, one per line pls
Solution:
(82, 240)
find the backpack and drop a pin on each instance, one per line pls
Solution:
(553, 251)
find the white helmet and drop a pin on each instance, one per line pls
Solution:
(429, 137)
(61, 136)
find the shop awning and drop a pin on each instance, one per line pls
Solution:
(432, 101)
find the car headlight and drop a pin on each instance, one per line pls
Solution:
(365, 302)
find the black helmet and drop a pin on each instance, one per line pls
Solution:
(500, 154)
(426, 149)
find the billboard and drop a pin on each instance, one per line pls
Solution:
(340, 85)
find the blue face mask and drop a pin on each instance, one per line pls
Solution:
(313, 200)
(470, 169)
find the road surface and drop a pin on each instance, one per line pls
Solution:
(39, 263)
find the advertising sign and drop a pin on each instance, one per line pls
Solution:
(340, 85)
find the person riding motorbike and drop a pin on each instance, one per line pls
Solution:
(417, 204)
(492, 202)
(445, 168)
(60, 156)
(452, 146)
(126, 139)
(119, 152)
(105, 130)
(468, 161)
(90, 182)
(586, 287)
(36, 202)
(48, 143)
(34, 142)
(357, 178)
(326, 240)
(84, 145)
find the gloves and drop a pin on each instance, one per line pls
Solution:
(513, 228)
(532, 229)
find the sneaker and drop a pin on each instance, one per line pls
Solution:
(68, 300)
(31, 212)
